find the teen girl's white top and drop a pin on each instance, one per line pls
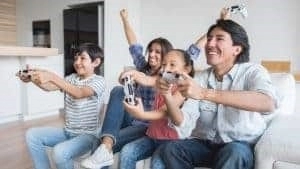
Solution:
(82, 115)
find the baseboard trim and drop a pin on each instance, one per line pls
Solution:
(41, 115)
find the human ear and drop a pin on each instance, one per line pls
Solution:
(97, 62)
(237, 50)
(188, 69)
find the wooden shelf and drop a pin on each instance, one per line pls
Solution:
(27, 51)
(297, 76)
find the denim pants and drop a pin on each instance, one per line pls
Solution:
(141, 149)
(118, 124)
(66, 146)
(187, 154)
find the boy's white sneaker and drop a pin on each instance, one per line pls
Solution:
(100, 158)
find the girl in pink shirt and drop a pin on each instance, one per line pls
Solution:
(168, 121)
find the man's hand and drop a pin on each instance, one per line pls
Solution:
(189, 88)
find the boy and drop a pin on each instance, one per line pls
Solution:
(85, 94)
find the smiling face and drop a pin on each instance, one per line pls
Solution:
(155, 56)
(84, 65)
(174, 62)
(219, 49)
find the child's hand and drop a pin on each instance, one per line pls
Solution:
(124, 14)
(40, 76)
(163, 86)
(137, 110)
(25, 75)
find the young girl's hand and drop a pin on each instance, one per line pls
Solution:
(163, 86)
(137, 110)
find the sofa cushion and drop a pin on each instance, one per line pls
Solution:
(285, 85)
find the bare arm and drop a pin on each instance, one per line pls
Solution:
(139, 77)
(41, 77)
(173, 103)
(245, 100)
(130, 35)
(27, 77)
(138, 112)
(200, 42)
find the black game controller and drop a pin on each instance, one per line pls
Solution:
(129, 91)
(24, 73)
(170, 77)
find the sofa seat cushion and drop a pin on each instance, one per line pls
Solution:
(285, 165)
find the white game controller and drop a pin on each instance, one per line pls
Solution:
(170, 77)
(239, 9)
(129, 91)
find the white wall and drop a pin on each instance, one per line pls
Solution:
(272, 25)
(115, 44)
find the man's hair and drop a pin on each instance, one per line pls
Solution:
(94, 52)
(238, 35)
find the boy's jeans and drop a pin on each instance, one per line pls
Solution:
(66, 146)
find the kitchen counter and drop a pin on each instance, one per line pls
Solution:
(27, 51)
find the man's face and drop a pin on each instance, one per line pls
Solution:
(219, 48)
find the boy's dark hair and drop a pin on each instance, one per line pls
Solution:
(238, 35)
(166, 46)
(187, 60)
(94, 52)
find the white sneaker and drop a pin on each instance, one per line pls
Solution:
(100, 158)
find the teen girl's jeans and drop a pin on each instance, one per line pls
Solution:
(66, 146)
(118, 124)
(141, 149)
(190, 153)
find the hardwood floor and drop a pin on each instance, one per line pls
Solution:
(13, 151)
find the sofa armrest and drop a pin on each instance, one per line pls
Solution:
(280, 142)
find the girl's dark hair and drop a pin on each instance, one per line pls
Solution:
(187, 60)
(238, 35)
(94, 52)
(166, 46)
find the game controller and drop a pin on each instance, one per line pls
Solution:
(129, 90)
(170, 77)
(239, 9)
(24, 73)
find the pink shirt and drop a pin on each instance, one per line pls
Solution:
(160, 129)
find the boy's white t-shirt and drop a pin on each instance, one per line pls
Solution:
(82, 115)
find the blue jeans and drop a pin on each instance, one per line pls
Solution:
(187, 154)
(118, 124)
(66, 146)
(141, 149)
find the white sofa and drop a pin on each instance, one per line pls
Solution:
(279, 147)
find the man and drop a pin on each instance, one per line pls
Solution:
(235, 97)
